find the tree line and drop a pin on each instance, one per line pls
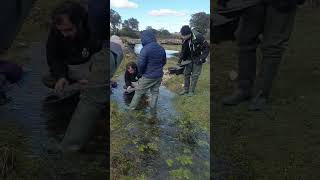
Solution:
(130, 27)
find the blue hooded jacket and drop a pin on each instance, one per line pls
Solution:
(152, 56)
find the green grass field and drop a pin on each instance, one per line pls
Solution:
(201, 114)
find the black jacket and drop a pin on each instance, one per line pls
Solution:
(196, 49)
(129, 78)
(62, 51)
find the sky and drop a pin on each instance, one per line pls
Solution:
(167, 14)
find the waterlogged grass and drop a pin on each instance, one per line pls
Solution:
(14, 160)
(134, 143)
(125, 162)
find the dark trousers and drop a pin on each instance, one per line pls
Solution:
(262, 25)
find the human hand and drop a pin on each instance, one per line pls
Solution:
(60, 85)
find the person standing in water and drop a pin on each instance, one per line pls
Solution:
(151, 61)
(195, 49)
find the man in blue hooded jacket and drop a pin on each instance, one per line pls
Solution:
(151, 60)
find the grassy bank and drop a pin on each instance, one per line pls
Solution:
(196, 108)
(14, 149)
(121, 165)
(281, 143)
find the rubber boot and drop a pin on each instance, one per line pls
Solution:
(268, 72)
(186, 86)
(135, 101)
(240, 94)
(153, 103)
(194, 81)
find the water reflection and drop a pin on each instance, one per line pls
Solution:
(170, 53)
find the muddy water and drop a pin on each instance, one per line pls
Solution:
(188, 156)
(26, 107)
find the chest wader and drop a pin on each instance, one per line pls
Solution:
(191, 73)
(93, 101)
(90, 107)
(144, 84)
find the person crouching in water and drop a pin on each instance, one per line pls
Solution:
(69, 47)
(131, 77)
(151, 61)
(196, 49)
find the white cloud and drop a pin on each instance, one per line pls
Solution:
(166, 12)
(123, 4)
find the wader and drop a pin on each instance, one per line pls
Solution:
(91, 107)
(93, 100)
(275, 28)
(192, 72)
(144, 84)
